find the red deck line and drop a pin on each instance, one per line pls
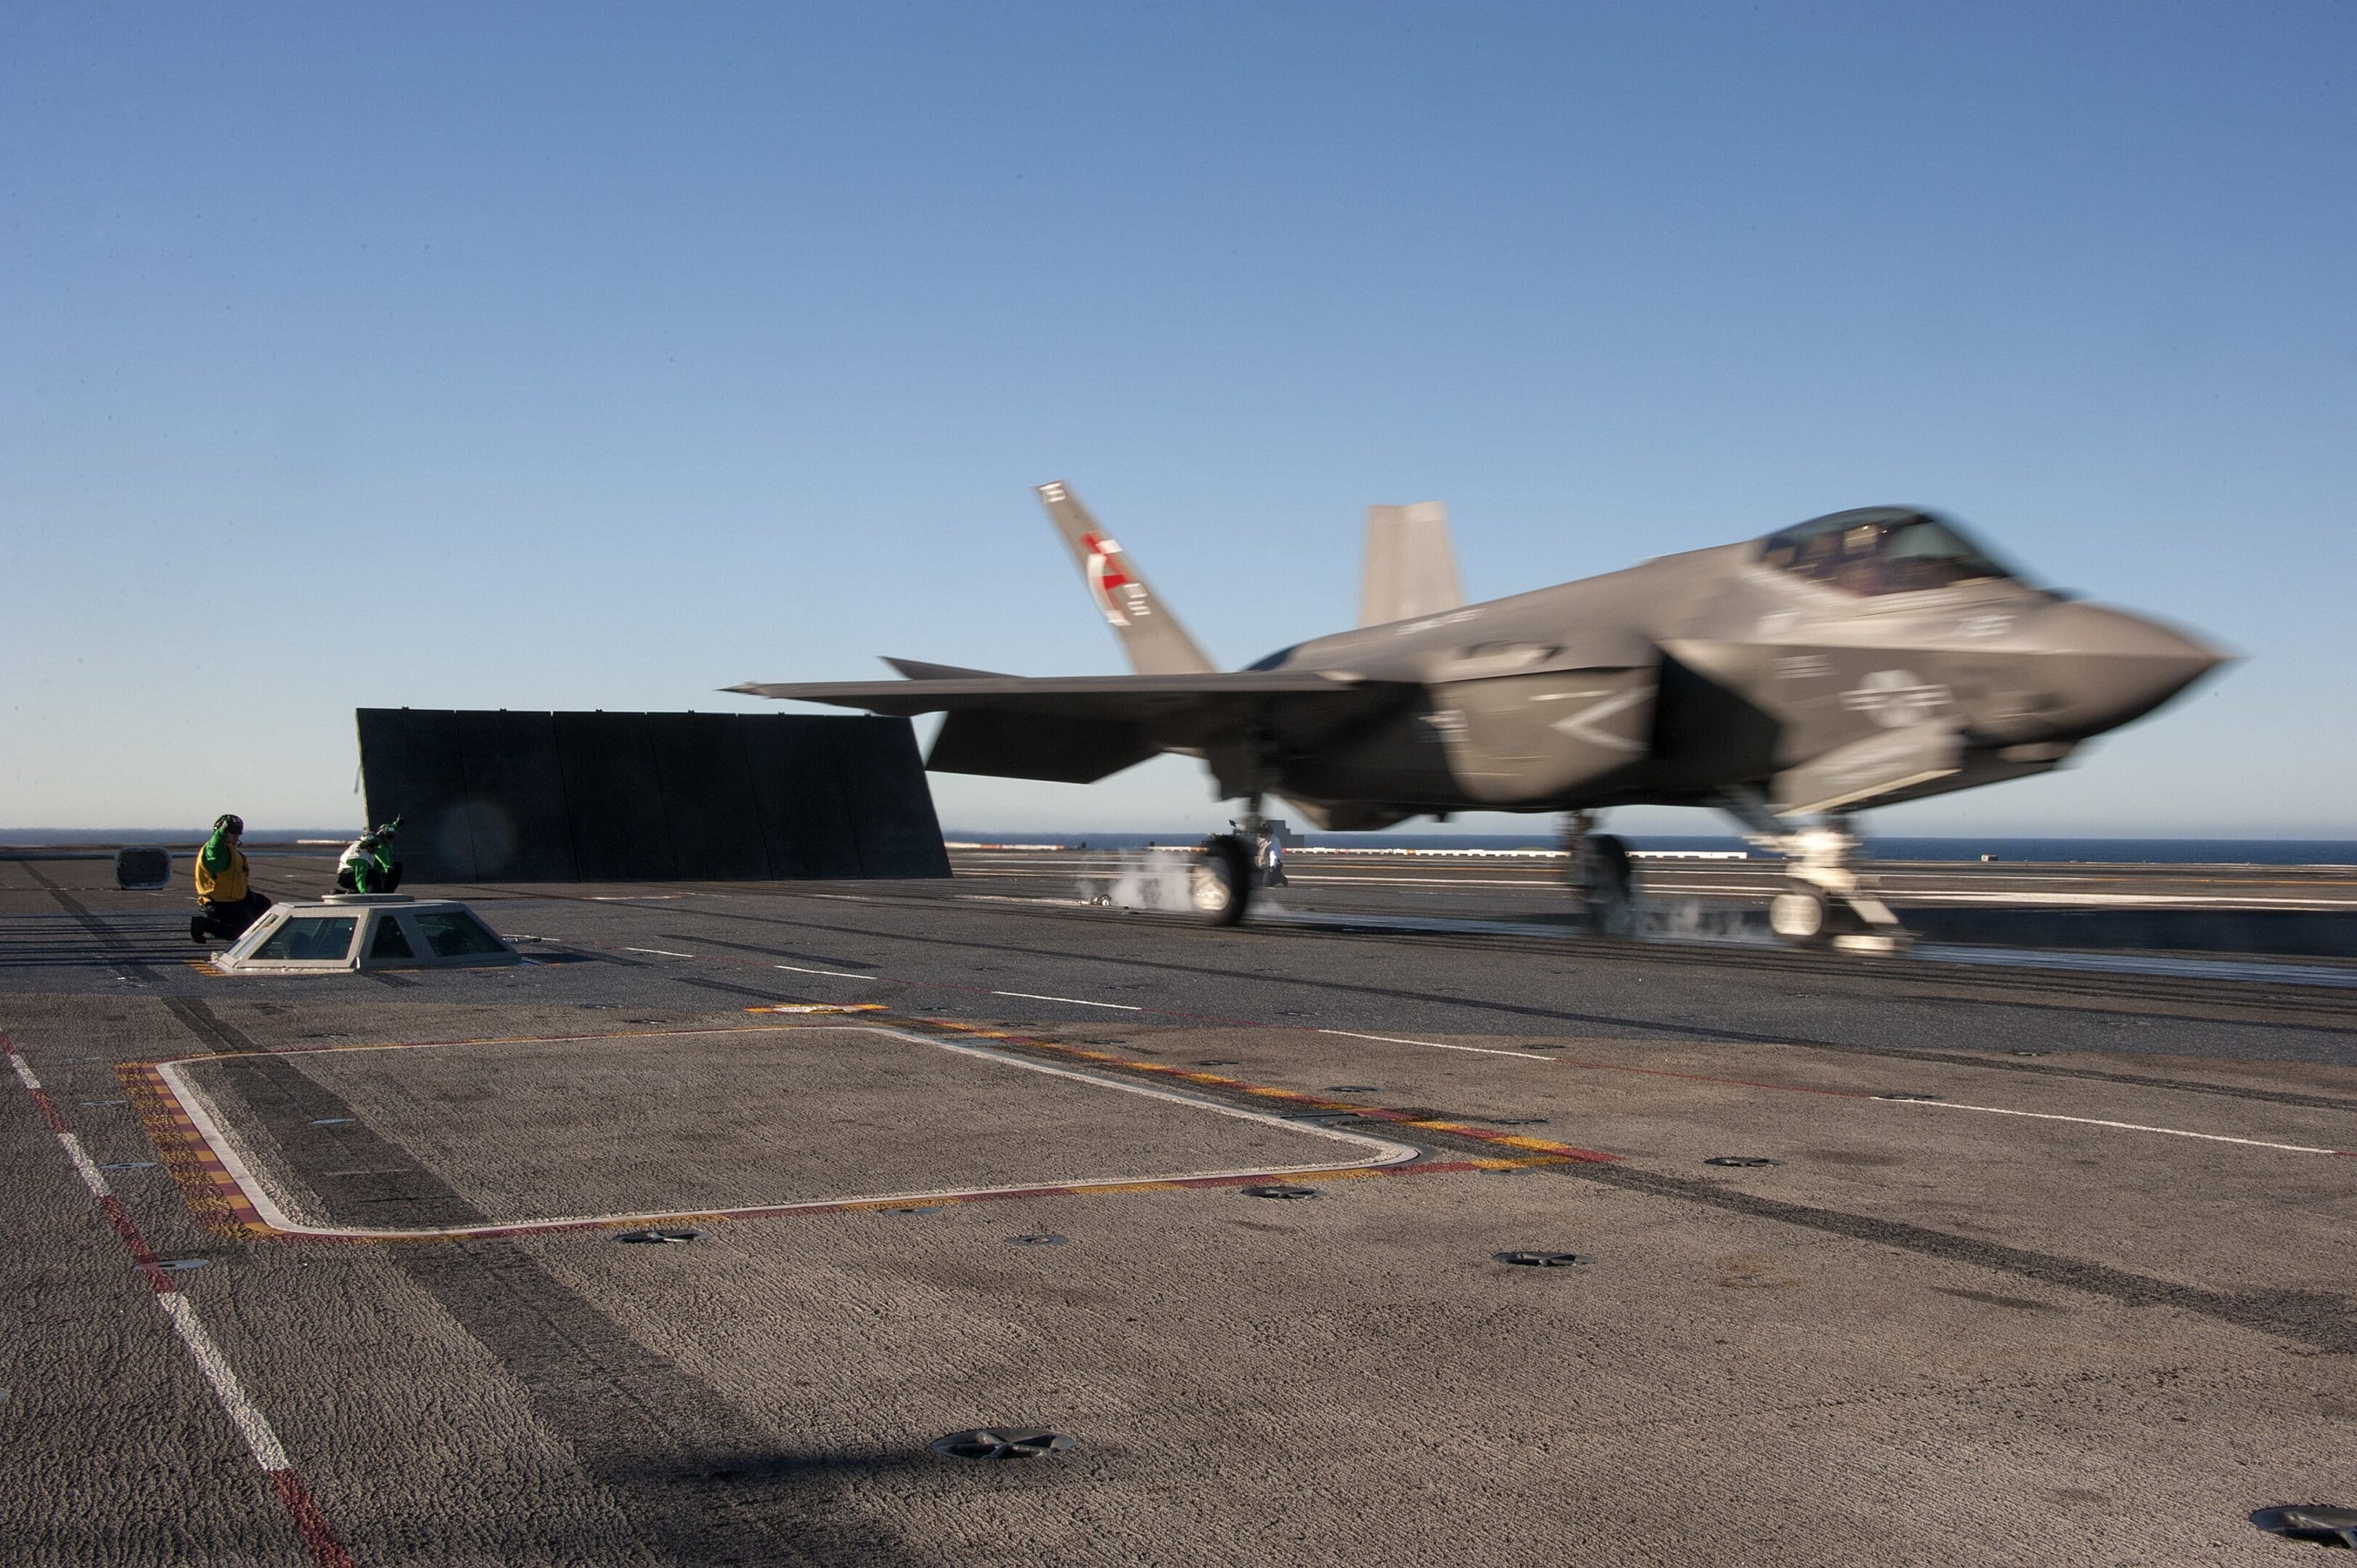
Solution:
(319, 1538)
(311, 1526)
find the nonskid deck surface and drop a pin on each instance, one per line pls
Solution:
(2052, 1264)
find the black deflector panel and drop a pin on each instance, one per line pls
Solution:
(529, 796)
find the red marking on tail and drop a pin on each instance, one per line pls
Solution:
(1104, 556)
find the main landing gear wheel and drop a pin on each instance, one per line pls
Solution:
(1220, 880)
(1607, 881)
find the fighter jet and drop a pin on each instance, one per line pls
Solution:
(1852, 660)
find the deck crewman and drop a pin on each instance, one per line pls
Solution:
(226, 901)
(367, 864)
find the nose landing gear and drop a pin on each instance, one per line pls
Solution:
(1827, 902)
(1799, 916)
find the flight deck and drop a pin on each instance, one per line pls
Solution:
(1406, 1224)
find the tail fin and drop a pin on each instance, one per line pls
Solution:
(1157, 644)
(1411, 568)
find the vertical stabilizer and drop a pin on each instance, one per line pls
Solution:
(1150, 635)
(1411, 566)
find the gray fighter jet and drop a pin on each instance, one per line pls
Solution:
(1852, 660)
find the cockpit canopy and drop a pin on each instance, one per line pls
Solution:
(1881, 550)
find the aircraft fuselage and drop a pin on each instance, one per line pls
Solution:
(1671, 681)
(1861, 658)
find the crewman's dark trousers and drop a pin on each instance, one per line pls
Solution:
(229, 921)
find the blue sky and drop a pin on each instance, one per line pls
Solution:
(581, 356)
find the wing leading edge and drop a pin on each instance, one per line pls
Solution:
(1080, 728)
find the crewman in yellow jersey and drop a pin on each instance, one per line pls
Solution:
(226, 901)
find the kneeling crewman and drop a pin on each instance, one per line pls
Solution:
(226, 901)
(367, 864)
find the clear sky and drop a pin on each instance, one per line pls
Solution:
(598, 356)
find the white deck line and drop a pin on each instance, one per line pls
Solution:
(1548, 886)
(1075, 1001)
(2184, 966)
(2120, 1126)
(252, 1425)
(1009, 899)
(84, 1166)
(1427, 925)
(1381, 1152)
(2127, 900)
(1438, 1046)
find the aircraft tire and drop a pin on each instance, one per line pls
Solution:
(1800, 917)
(1609, 883)
(1220, 880)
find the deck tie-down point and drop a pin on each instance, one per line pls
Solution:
(2323, 1523)
(1000, 1443)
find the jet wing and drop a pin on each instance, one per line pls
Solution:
(1111, 697)
(1078, 728)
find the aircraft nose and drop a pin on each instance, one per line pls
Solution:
(2112, 667)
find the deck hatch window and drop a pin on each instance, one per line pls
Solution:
(454, 933)
(391, 942)
(310, 938)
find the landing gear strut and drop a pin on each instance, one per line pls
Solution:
(1223, 873)
(1825, 900)
(1601, 874)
